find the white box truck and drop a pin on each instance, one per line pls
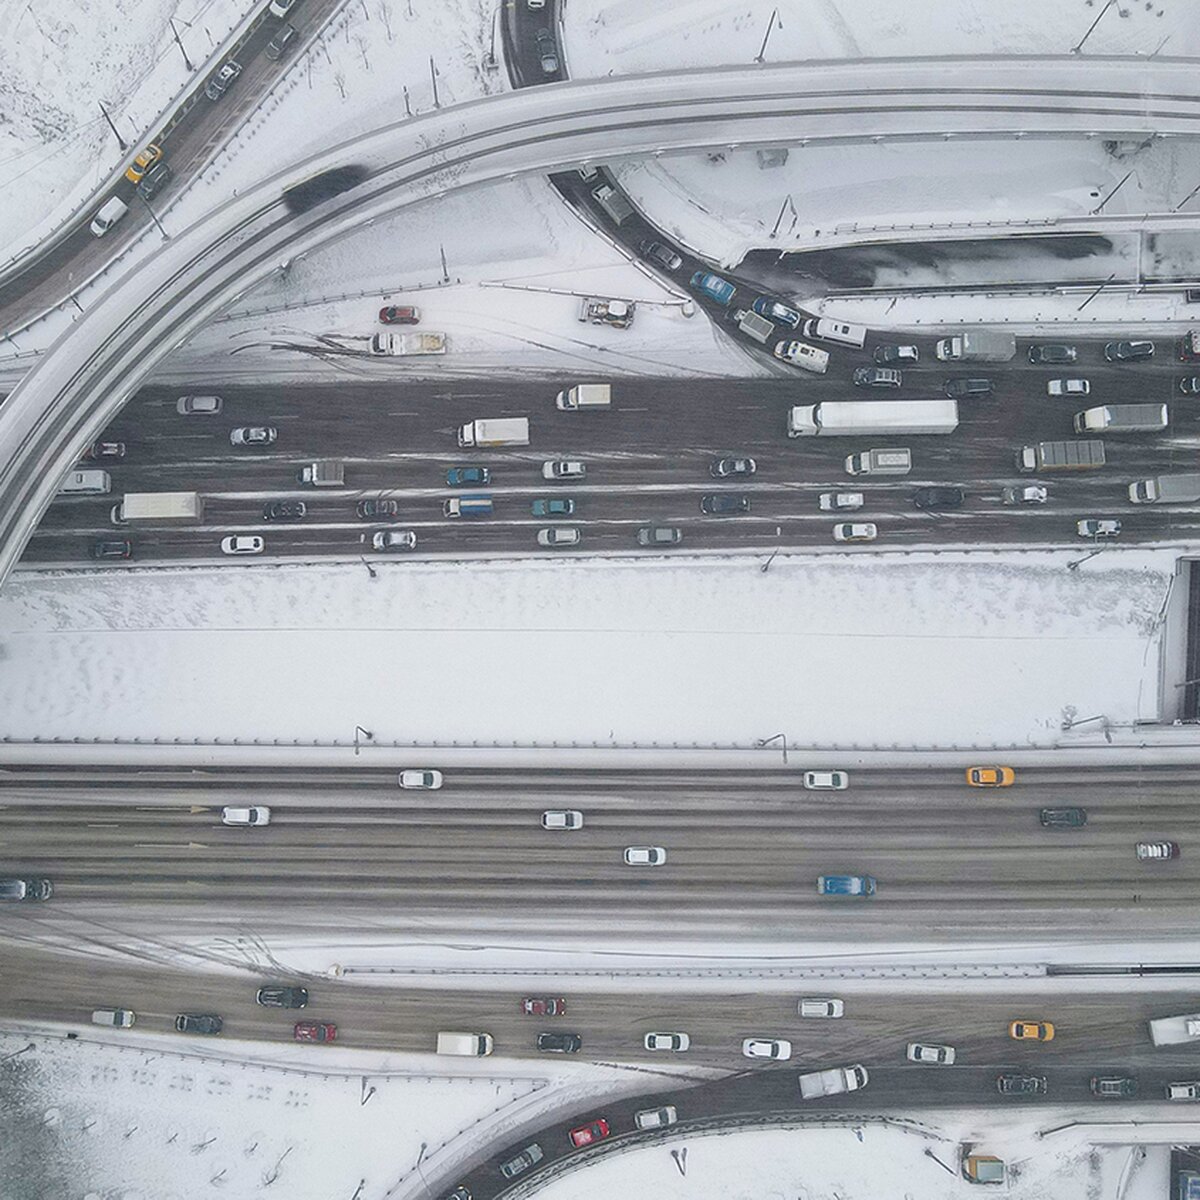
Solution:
(1122, 418)
(1170, 1031)
(495, 431)
(833, 1082)
(1166, 489)
(323, 472)
(390, 342)
(469, 1045)
(1061, 456)
(839, 418)
(585, 395)
(978, 345)
(163, 508)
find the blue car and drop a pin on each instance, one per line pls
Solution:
(845, 885)
(713, 286)
(467, 476)
(556, 506)
(776, 310)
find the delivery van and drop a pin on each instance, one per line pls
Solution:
(111, 211)
(841, 332)
(584, 395)
(470, 1045)
(89, 482)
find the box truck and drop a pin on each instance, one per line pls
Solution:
(1166, 489)
(977, 345)
(467, 506)
(163, 508)
(495, 431)
(323, 472)
(880, 462)
(839, 418)
(469, 1045)
(1122, 418)
(1061, 456)
(585, 395)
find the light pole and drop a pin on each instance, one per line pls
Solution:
(762, 50)
(1074, 566)
(120, 140)
(775, 737)
(1096, 210)
(365, 733)
(1075, 49)
(187, 62)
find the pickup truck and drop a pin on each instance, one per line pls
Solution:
(390, 342)
(832, 1082)
(1171, 1031)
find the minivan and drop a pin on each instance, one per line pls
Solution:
(90, 482)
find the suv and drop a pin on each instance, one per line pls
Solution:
(285, 510)
(199, 1023)
(276, 995)
(723, 503)
(964, 389)
(1096, 527)
(825, 781)
(1114, 1087)
(1052, 353)
(880, 377)
(559, 1043)
(885, 356)
(1062, 818)
(25, 889)
(939, 497)
(252, 815)
(1128, 351)
(659, 535)
(220, 83)
(664, 256)
(776, 310)
(564, 468)
(277, 47)
(156, 179)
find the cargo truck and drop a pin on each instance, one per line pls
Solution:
(880, 462)
(323, 472)
(164, 508)
(978, 345)
(1170, 1031)
(1122, 418)
(1166, 489)
(833, 1082)
(467, 506)
(839, 418)
(1061, 456)
(390, 342)
(585, 395)
(470, 1045)
(495, 431)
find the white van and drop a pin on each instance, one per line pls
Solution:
(88, 482)
(111, 211)
(470, 1045)
(802, 355)
(841, 332)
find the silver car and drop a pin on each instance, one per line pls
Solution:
(920, 1052)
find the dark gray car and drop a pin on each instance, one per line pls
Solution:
(659, 535)
(154, 181)
(275, 995)
(25, 889)
(530, 1156)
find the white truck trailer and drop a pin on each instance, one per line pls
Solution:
(832, 1082)
(1170, 1031)
(495, 431)
(841, 418)
(399, 344)
(977, 345)
(163, 508)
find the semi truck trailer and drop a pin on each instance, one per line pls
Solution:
(840, 418)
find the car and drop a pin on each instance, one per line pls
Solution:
(1189, 385)
(1068, 387)
(117, 1018)
(198, 405)
(1021, 1085)
(281, 8)
(566, 468)
(1062, 818)
(253, 435)
(553, 506)
(776, 1049)
(314, 1031)
(543, 1006)
(1128, 351)
(776, 310)
(421, 780)
(1097, 527)
(466, 476)
(964, 389)
(667, 1041)
(1052, 353)
(1156, 851)
(26, 889)
(242, 543)
(104, 450)
(1031, 1031)
(816, 781)
(939, 497)
(279, 45)
(1031, 493)
(885, 356)
(199, 1023)
(156, 179)
(285, 510)
(562, 818)
(547, 52)
(559, 1043)
(714, 287)
(281, 995)
(664, 256)
(645, 856)
(923, 1052)
(221, 82)
(991, 776)
(845, 885)
(659, 535)
(723, 504)
(1183, 1091)
(655, 1118)
(837, 501)
(863, 531)
(258, 814)
(462, 1192)
(560, 537)
(878, 377)
(393, 539)
(529, 1157)
(585, 1135)
(821, 1008)
(1113, 1087)
(399, 314)
(143, 162)
(722, 468)
(368, 509)
(111, 549)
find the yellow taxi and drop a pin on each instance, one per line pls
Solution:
(1031, 1031)
(143, 163)
(990, 776)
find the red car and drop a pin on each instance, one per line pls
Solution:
(406, 314)
(543, 1006)
(315, 1031)
(593, 1131)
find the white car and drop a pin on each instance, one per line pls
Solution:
(257, 815)
(428, 781)
(645, 856)
(242, 543)
(776, 1049)
(253, 435)
(1097, 527)
(820, 781)
(667, 1041)
(656, 1118)
(1068, 387)
(559, 535)
(281, 8)
(562, 818)
(861, 532)
(1183, 1091)
(394, 539)
(1033, 493)
(821, 1008)
(836, 501)
(941, 1056)
(564, 468)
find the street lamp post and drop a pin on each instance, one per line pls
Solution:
(1075, 49)
(187, 62)
(365, 733)
(762, 50)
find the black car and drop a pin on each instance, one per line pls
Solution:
(721, 468)
(285, 510)
(370, 509)
(878, 377)
(1053, 353)
(547, 52)
(1114, 1087)
(110, 450)
(559, 1043)
(890, 356)
(1128, 351)
(199, 1023)
(723, 503)
(112, 549)
(939, 497)
(154, 181)
(1063, 818)
(278, 46)
(663, 255)
(963, 389)
(1021, 1085)
(275, 995)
